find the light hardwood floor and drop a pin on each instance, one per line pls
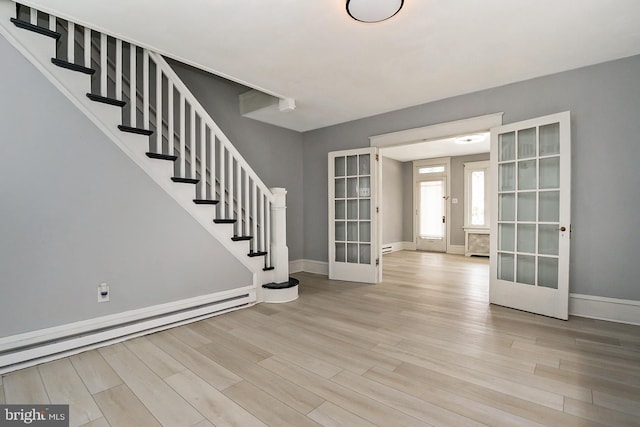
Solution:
(422, 348)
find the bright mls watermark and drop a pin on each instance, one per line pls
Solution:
(34, 415)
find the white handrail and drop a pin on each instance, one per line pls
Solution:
(182, 88)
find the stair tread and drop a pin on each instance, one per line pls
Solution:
(106, 100)
(224, 221)
(240, 238)
(35, 28)
(161, 156)
(139, 131)
(185, 180)
(284, 285)
(71, 66)
(205, 202)
(255, 254)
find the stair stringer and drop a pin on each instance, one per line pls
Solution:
(39, 50)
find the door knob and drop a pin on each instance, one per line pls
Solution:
(562, 228)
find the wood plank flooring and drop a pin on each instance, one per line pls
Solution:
(422, 348)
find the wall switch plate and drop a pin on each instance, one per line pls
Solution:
(103, 292)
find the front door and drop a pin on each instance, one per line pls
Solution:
(431, 215)
(353, 232)
(530, 234)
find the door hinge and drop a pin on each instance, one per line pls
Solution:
(377, 158)
(377, 209)
(377, 261)
(443, 219)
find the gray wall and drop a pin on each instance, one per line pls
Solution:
(604, 101)
(457, 192)
(392, 201)
(273, 152)
(76, 211)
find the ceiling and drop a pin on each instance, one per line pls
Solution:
(447, 147)
(337, 69)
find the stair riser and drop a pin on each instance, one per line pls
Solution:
(280, 295)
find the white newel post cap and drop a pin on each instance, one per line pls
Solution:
(279, 197)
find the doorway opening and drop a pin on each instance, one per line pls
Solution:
(431, 193)
(457, 142)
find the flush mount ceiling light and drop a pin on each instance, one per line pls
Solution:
(469, 139)
(373, 10)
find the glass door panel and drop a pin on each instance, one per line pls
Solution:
(351, 245)
(550, 139)
(507, 176)
(507, 207)
(550, 172)
(549, 206)
(548, 242)
(340, 209)
(530, 247)
(526, 238)
(526, 206)
(527, 143)
(505, 267)
(506, 237)
(431, 209)
(507, 146)
(526, 269)
(527, 175)
(548, 272)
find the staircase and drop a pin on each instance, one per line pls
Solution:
(134, 96)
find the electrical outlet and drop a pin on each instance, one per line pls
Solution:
(454, 201)
(103, 292)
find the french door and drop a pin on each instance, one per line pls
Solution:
(530, 233)
(353, 226)
(431, 220)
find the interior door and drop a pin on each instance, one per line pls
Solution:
(431, 220)
(353, 231)
(530, 234)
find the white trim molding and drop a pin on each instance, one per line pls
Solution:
(603, 308)
(296, 266)
(31, 348)
(440, 130)
(309, 266)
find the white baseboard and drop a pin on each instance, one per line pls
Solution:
(388, 248)
(309, 265)
(602, 308)
(296, 265)
(23, 350)
(456, 249)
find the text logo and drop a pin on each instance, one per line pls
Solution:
(34, 415)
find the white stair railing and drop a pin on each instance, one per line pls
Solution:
(181, 127)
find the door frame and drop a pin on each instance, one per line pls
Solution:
(446, 161)
(436, 131)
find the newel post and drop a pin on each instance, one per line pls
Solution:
(279, 248)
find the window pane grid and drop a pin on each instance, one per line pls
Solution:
(528, 253)
(353, 209)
